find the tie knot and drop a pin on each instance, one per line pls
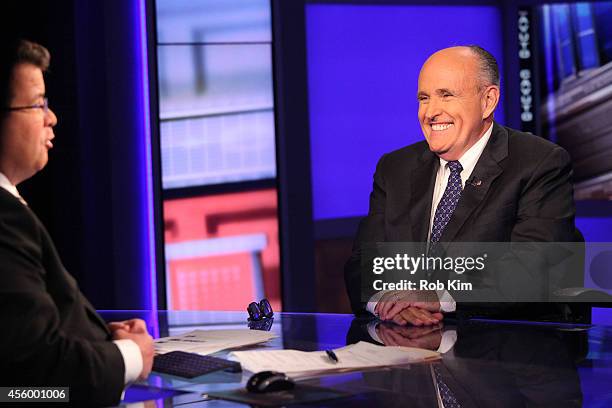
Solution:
(455, 166)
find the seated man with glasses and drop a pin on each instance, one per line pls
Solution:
(52, 336)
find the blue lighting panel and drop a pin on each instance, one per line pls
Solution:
(595, 229)
(149, 272)
(363, 65)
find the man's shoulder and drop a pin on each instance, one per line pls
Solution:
(407, 154)
(9, 203)
(528, 144)
(15, 218)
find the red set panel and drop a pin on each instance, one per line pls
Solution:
(222, 251)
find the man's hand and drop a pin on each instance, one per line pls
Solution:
(416, 316)
(392, 303)
(130, 326)
(422, 337)
(136, 330)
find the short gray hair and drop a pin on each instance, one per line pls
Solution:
(489, 70)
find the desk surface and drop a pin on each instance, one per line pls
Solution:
(490, 363)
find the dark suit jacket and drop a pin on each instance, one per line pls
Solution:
(51, 335)
(521, 191)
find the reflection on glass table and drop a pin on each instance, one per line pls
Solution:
(485, 362)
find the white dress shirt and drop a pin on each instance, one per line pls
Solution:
(6, 184)
(468, 162)
(132, 358)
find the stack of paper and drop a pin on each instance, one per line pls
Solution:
(362, 355)
(211, 341)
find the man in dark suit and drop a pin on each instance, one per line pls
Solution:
(51, 334)
(471, 180)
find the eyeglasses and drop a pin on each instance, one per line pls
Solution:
(260, 311)
(261, 315)
(44, 106)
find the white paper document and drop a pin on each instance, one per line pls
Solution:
(362, 355)
(211, 341)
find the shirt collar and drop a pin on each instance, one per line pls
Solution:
(470, 158)
(8, 186)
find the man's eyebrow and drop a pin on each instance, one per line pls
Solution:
(37, 96)
(422, 93)
(443, 91)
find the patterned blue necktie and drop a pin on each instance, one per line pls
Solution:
(446, 394)
(449, 201)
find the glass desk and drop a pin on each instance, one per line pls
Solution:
(485, 363)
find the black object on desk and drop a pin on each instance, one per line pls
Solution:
(269, 381)
(263, 325)
(260, 311)
(332, 356)
(261, 315)
(189, 365)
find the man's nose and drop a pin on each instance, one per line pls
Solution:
(433, 109)
(50, 118)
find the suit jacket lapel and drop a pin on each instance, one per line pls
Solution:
(422, 180)
(486, 171)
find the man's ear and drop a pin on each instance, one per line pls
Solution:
(490, 99)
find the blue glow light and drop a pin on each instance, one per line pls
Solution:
(601, 315)
(148, 225)
(363, 67)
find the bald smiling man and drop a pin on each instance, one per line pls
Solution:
(470, 180)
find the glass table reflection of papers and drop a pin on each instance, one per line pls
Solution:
(489, 363)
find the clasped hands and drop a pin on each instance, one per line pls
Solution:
(427, 337)
(136, 330)
(418, 308)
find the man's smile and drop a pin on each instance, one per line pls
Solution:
(439, 127)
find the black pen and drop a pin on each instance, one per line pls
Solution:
(332, 356)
